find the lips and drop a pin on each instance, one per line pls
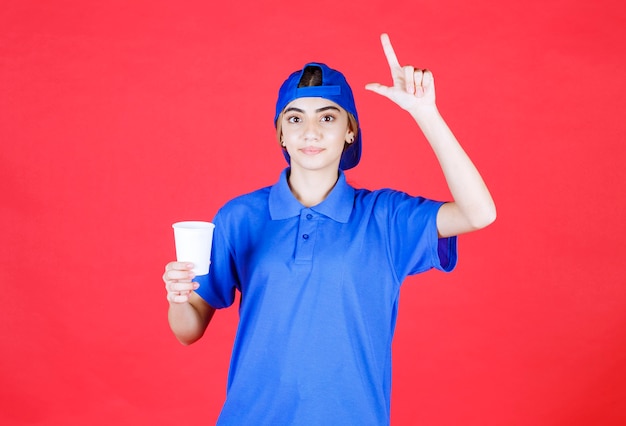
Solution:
(311, 150)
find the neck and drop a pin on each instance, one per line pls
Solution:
(312, 187)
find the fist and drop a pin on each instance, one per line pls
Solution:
(178, 284)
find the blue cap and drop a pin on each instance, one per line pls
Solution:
(334, 88)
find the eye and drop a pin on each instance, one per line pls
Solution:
(328, 118)
(293, 119)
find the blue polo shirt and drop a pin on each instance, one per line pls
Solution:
(319, 299)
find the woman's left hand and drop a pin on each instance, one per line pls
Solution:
(412, 89)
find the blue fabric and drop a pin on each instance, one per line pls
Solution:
(319, 298)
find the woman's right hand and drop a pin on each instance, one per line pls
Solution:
(178, 284)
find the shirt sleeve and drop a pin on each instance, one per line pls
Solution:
(415, 245)
(218, 287)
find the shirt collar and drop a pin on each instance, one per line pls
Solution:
(337, 206)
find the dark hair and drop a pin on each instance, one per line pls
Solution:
(311, 76)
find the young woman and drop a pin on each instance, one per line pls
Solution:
(319, 264)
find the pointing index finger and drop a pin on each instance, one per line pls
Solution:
(392, 59)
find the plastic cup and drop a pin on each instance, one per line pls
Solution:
(193, 240)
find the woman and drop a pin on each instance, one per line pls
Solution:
(319, 264)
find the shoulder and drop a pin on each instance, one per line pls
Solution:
(386, 197)
(391, 202)
(241, 216)
(244, 204)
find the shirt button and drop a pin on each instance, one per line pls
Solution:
(305, 236)
(309, 216)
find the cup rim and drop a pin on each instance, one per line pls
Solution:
(193, 224)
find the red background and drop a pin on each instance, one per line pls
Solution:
(118, 118)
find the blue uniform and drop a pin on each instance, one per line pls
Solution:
(319, 298)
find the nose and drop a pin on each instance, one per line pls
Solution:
(311, 130)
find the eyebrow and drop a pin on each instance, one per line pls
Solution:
(317, 110)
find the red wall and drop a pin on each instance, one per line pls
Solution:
(118, 118)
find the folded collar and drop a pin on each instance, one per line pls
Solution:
(337, 206)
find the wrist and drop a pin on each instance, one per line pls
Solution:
(425, 114)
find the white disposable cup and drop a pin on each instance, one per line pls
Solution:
(193, 240)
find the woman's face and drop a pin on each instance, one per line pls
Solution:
(314, 131)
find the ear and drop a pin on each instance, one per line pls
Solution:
(349, 136)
